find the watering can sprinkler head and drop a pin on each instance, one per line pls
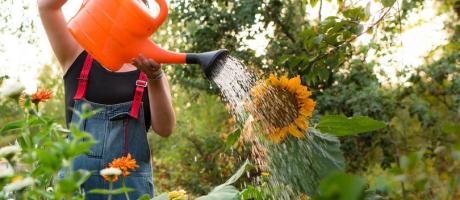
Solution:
(116, 31)
(208, 61)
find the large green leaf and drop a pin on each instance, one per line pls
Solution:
(226, 191)
(340, 125)
(341, 186)
(301, 164)
(163, 196)
(12, 126)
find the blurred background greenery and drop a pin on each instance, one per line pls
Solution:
(416, 157)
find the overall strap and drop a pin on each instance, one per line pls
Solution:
(83, 79)
(141, 84)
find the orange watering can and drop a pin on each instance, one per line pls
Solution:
(116, 31)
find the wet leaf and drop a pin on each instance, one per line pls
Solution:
(302, 164)
(340, 125)
(227, 192)
(235, 176)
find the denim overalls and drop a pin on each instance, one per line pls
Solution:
(119, 129)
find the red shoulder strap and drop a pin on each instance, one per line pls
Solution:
(141, 84)
(83, 79)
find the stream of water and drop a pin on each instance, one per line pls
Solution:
(296, 165)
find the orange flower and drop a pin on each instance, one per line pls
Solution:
(125, 164)
(110, 174)
(41, 95)
(108, 178)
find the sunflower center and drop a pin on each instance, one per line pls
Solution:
(278, 108)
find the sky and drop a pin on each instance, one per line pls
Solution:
(23, 61)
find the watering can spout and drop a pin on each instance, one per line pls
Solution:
(208, 61)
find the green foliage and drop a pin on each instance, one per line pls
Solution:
(341, 186)
(111, 192)
(226, 191)
(388, 3)
(194, 157)
(232, 138)
(44, 151)
(340, 125)
(297, 46)
(416, 157)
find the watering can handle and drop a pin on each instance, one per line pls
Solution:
(163, 14)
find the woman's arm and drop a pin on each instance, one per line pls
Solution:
(63, 44)
(161, 109)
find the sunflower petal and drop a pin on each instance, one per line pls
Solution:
(293, 84)
(301, 123)
(274, 81)
(284, 82)
(295, 132)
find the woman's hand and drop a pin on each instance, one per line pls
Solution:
(151, 68)
(161, 109)
(50, 4)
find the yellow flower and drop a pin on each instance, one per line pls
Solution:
(41, 95)
(125, 164)
(282, 106)
(177, 195)
(304, 197)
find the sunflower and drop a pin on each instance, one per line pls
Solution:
(125, 164)
(282, 106)
(41, 95)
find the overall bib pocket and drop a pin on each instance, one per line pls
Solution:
(98, 133)
(97, 129)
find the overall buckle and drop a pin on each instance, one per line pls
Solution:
(141, 83)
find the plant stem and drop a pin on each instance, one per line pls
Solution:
(110, 189)
(124, 186)
(320, 8)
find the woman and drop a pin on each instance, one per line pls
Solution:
(130, 100)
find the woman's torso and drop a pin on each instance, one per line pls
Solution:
(104, 87)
